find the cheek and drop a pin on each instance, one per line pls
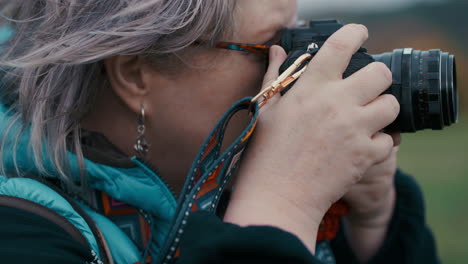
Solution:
(242, 76)
(232, 77)
(194, 104)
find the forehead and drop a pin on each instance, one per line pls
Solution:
(258, 20)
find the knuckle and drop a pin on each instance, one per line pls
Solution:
(374, 195)
(388, 143)
(330, 109)
(330, 112)
(393, 104)
(382, 69)
(361, 160)
(356, 177)
(382, 147)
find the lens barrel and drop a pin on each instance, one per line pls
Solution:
(424, 82)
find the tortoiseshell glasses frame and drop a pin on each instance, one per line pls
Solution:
(261, 49)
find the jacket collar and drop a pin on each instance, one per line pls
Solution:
(126, 179)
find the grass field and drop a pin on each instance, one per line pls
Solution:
(439, 160)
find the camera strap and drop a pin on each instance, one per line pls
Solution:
(212, 170)
(209, 176)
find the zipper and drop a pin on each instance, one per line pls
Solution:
(174, 196)
(149, 220)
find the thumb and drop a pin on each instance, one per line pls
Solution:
(277, 57)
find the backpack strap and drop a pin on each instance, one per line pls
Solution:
(32, 194)
(47, 213)
(104, 252)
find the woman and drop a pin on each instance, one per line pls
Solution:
(95, 84)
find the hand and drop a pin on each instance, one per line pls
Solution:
(371, 203)
(313, 144)
(371, 200)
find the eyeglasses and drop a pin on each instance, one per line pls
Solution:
(261, 49)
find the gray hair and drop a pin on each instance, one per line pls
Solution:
(54, 60)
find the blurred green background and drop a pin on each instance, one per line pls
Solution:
(438, 159)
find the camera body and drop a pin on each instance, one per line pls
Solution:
(424, 82)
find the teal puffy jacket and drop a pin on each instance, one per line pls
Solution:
(129, 203)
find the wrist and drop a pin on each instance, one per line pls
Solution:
(379, 217)
(257, 206)
(371, 226)
(367, 234)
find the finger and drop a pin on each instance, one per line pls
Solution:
(383, 146)
(277, 57)
(369, 82)
(334, 56)
(396, 136)
(380, 113)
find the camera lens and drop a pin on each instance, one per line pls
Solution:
(424, 82)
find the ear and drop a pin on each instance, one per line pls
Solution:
(127, 77)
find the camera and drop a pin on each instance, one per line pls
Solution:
(424, 82)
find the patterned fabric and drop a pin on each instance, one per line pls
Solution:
(127, 218)
(134, 223)
(330, 224)
(121, 193)
(209, 176)
(324, 253)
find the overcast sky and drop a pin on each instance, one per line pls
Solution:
(321, 6)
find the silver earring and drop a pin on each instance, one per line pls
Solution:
(141, 146)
